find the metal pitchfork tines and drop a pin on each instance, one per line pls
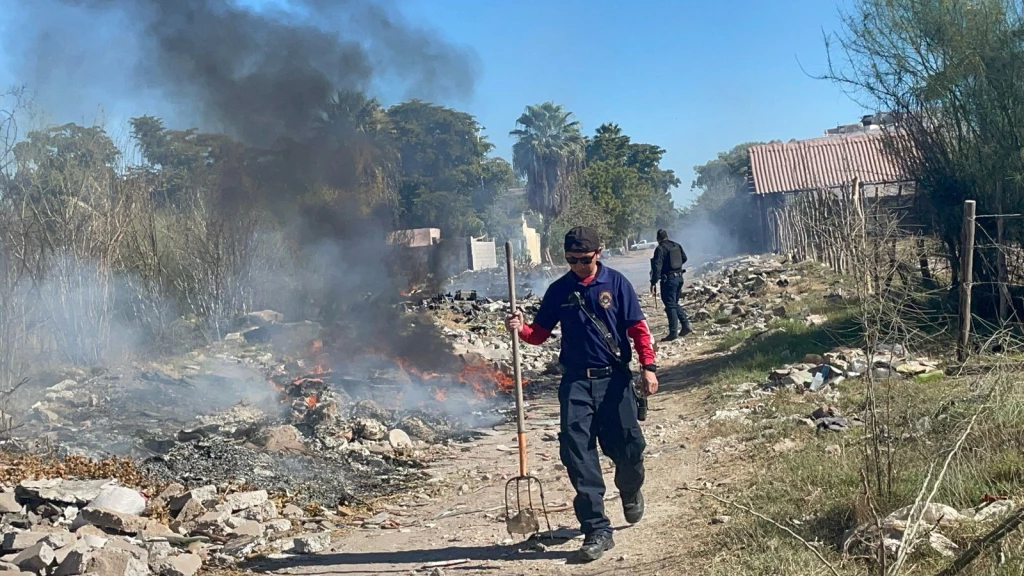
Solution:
(520, 519)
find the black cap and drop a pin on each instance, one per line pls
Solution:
(662, 235)
(582, 239)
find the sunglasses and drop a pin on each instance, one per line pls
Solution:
(583, 260)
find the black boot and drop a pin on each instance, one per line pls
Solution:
(595, 545)
(673, 325)
(684, 321)
(633, 506)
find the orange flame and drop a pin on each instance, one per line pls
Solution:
(312, 400)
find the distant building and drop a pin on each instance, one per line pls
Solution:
(415, 237)
(783, 171)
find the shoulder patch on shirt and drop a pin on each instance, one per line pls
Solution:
(605, 299)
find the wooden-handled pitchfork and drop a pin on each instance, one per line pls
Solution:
(520, 519)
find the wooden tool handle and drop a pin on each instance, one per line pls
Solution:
(516, 370)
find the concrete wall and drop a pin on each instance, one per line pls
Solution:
(482, 254)
(415, 237)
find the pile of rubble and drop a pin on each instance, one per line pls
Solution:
(475, 325)
(318, 431)
(822, 374)
(493, 282)
(68, 527)
(740, 293)
(926, 520)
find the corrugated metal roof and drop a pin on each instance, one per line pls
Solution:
(817, 163)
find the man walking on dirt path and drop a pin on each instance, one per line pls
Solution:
(598, 310)
(667, 268)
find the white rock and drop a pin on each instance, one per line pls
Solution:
(278, 525)
(932, 514)
(399, 439)
(120, 499)
(245, 500)
(312, 543)
(994, 511)
(183, 565)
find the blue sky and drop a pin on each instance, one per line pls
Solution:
(694, 77)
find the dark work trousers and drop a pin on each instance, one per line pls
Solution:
(671, 285)
(592, 411)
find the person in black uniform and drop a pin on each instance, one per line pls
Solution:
(667, 268)
(599, 312)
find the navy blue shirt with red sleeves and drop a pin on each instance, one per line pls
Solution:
(610, 297)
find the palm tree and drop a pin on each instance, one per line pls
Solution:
(359, 156)
(548, 152)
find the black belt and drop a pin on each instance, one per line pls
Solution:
(594, 373)
(671, 274)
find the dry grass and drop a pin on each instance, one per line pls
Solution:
(816, 490)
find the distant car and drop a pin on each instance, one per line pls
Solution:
(643, 245)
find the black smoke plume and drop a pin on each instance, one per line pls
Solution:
(254, 75)
(258, 76)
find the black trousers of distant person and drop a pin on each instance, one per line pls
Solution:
(599, 411)
(671, 286)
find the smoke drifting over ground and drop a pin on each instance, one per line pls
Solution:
(254, 75)
(704, 240)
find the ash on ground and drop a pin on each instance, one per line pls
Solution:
(321, 430)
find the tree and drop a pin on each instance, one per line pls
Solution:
(548, 152)
(496, 180)
(352, 153)
(582, 211)
(442, 167)
(625, 180)
(948, 73)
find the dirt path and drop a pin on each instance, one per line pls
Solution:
(462, 520)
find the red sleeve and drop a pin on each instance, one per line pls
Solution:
(534, 334)
(641, 336)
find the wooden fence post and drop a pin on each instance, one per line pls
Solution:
(966, 277)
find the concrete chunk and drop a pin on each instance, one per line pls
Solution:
(248, 528)
(183, 565)
(278, 525)
(101, 562)
(36, 558)
(201, 495)
(110, 520)
(261, 513)
(245, 500)
(122, 545)
(18, 541)
(312, 543)
(9, 504)
(242, 546)
(75, 492)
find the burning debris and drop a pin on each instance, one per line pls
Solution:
(222, 455)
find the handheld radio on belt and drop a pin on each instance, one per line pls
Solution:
(609, 340)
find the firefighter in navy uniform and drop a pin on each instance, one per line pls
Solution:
(667, 269)
(599, 312)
